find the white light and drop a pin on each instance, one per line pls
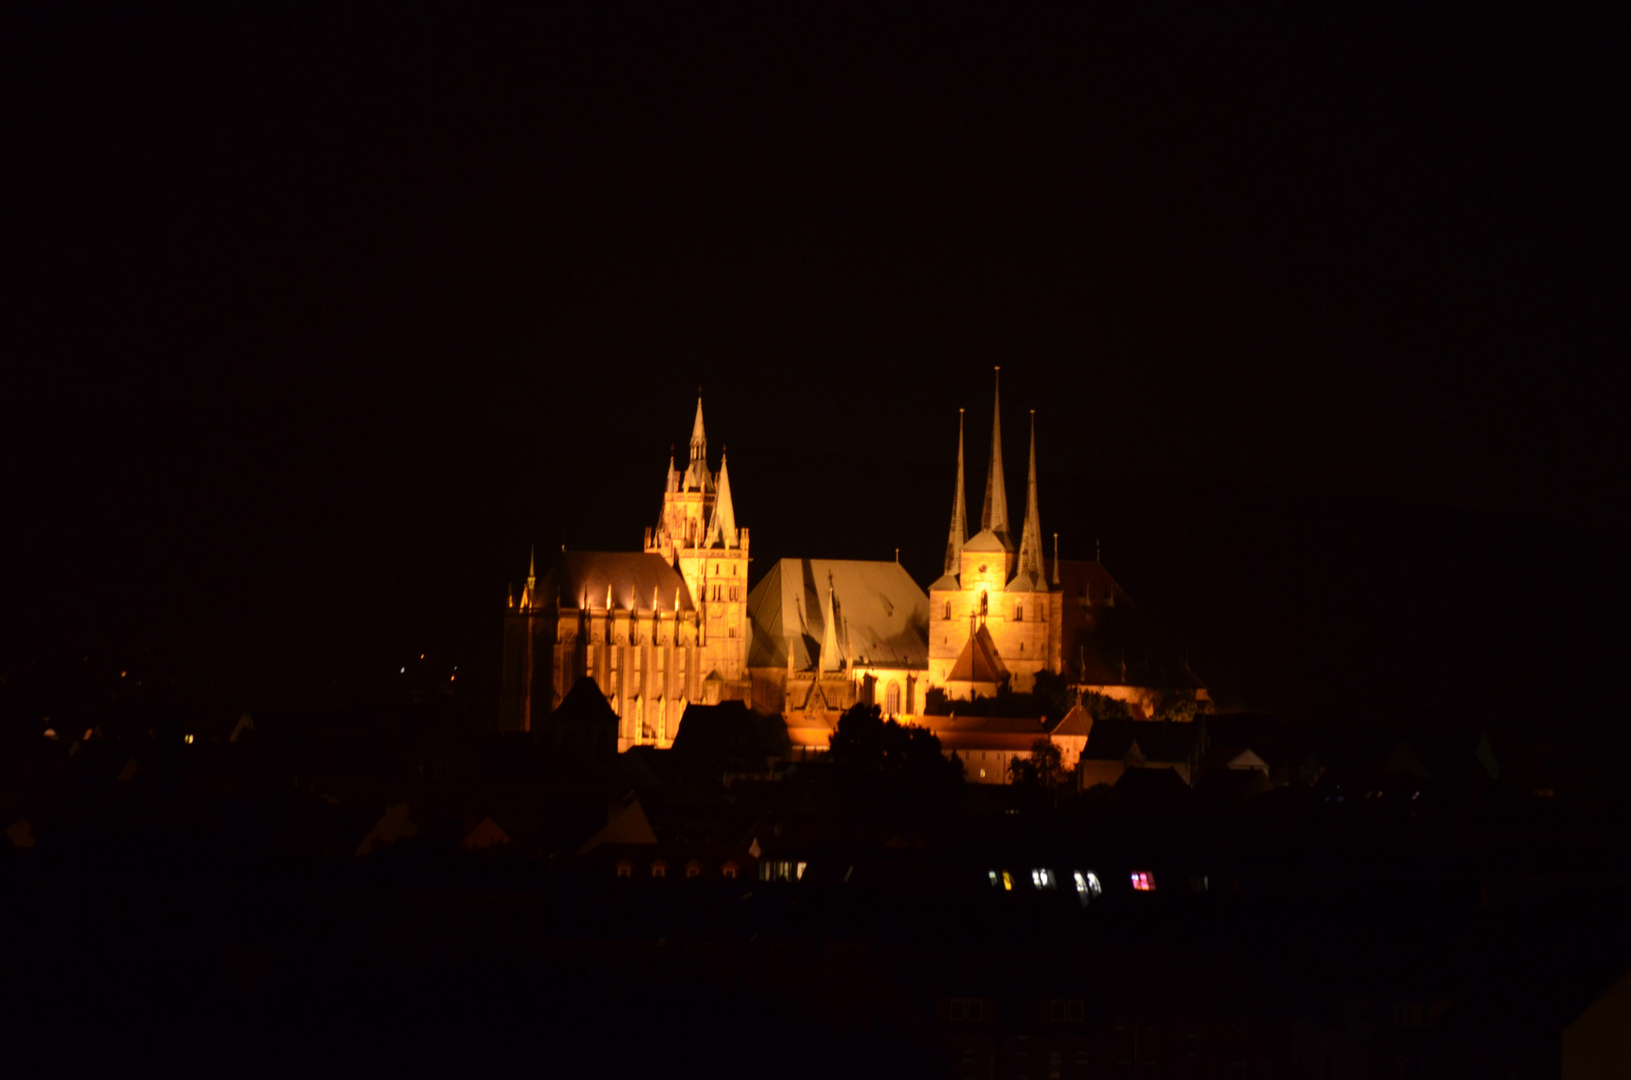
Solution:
(402, 671)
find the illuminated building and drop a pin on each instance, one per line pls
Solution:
(676, 623)
(654, 629)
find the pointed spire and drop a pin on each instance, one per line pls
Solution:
(959, 512)
(994, 516)
(697, 477)
(532, 565)
(830, 658)
(722, 527)
(1030, 542)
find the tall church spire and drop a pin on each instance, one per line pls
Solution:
(722, 528)
(697, 477)
(995, 514)
(1030, 542)
(699, 439)
(831, 659)
(959, 511)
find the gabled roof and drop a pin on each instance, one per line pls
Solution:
(979, 662)
(586, 703)
(1115, 740)
(986, 540)
(729, 731)
(634, 578)
(885, 613)
(1078, 722)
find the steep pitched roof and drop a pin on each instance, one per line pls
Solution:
(885, 613)
(1078, 722)
(979, 662)
(584, 702)
(722, 524)
(634, 578)
(1030, 576)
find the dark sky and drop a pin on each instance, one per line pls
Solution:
(317, 322)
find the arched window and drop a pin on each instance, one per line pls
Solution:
(1019, 613)
(948, 610)
(662, 720)
(892, 698)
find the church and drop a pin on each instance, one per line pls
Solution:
(677, 622)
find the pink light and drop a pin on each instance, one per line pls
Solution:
(1143, 881)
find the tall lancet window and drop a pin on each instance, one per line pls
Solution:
(662, 720)
(639, 718)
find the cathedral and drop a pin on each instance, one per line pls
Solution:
(677, 622)
(655, 629)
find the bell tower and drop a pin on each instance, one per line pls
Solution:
(697, 534)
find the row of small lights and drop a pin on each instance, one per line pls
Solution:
(1087, 882)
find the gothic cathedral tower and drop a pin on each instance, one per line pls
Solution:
(697, 535)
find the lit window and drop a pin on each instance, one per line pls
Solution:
(1044, 879)
(625, 868)
(659, 869)
(1088, 885)
(996, 879)
(1143, 881)
(1007, 882)
(188, 739)
(728, 870)
(693, 869)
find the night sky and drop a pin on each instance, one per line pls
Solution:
(316, 323)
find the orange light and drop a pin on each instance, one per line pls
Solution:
(122, 674)
(188, 739)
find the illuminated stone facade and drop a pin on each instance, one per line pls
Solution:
(655, 629)
(677, 623)
(996, 612)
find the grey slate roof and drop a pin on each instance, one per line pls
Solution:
(885, 614)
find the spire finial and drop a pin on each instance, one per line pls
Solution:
(532, 562)
(1056, 558)
(959, 512)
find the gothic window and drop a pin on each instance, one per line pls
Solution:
(948, 610)
(984, 604)
(662, 720)
(892, 698)
(1019, 613)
